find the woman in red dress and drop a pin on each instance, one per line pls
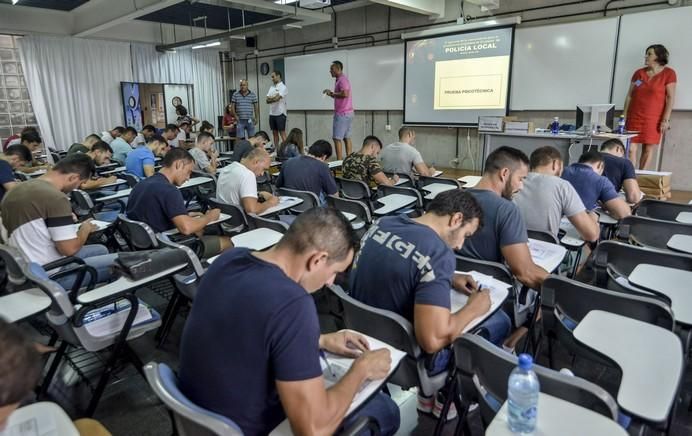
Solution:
(649, 103)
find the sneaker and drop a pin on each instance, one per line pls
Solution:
(425, 404)
(439, 403)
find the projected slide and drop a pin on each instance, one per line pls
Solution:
(453, 79)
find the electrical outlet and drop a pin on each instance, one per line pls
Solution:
(388, 128)
(454, 162)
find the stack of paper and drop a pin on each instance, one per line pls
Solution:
(498, 294)
(546, 255)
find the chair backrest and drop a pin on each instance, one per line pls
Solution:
(11, 259)
(353, 189)
(138, 235)
(575, 300)
(494, 269)
(56, 156)
(409, 182)
(193, 260)
(661, 210)
(82, 201)
(310, 200)
(189, 419)
(384, 190)
(238, 219)
(131, 179)
(491, 365)
(650, 232)
(541, 235)
(258, 222)
(358, 208)
(425, 180)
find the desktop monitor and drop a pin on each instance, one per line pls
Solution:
(595, 116)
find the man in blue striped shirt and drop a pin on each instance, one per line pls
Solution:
(244, 107)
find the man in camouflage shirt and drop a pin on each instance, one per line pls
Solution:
(364, 165)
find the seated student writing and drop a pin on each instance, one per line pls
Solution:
(142, 160)
(32, 140)
(593, 188)
(238, 183)
(363, 165)
(100, 153)
(15, 156)
(402, 157)
(619, 170)
(310, 173)
(252, 351)
(204, 153)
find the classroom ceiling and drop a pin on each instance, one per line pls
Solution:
(217, 16)
(60, 5)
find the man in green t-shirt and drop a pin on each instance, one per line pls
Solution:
(364, 166)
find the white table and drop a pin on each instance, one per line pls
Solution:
(285, 202)
(348, 215)
(401, 181)
(393, 202)
(108, 185)
(604, 218)
(435, 188)
(559, 417)
(113, 171)
(42, 419)
(117, 195)
(672, 282)
(546, 255)
(258, 239)
(195, 181)
(680, 243)
(23, 304)
(469, 181)
(275, 163)
(684, 217)
(649, 356)
(335, 164)
(33, 174)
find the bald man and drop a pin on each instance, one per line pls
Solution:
(244, 108)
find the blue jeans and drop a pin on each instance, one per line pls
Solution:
(245, 129)
(382, 409)
(96, 256)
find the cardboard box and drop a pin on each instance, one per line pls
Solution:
(519, 126)
(655, 184)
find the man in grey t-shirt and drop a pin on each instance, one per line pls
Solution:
(402, 157)
(546, 198)
(201, 152)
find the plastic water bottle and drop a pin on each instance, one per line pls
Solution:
(555, 126)
(621, 125)
(522, 396)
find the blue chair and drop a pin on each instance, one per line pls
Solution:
(188, 418)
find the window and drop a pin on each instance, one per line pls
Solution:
(15, 107)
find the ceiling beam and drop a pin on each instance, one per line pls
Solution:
(97, 15)
(432, 8)
(305, 17)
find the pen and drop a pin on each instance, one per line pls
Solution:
(329, 366)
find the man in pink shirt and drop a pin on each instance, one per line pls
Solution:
(343, 109)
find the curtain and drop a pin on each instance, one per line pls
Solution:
(74, 85)
(206, 76)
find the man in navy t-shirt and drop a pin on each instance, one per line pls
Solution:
(251, 345)
(593, 188)
(407, 266)
(310, 173)
(158, 202)
(619, 170)
(14, 157)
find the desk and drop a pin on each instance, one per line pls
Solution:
(33, 174)
(335, 164)
(559, 417)
(116, 196)
(195, 181)
(672, 282)
(109, 185)
(684, 217)
(392, 203)
(258, 239)
(23, 304)
(436, 188)
(113, 171)
(348, 215)
(469, 181)
(605, 219)
(285, 202)
(41, 419)
(528, 142)
(680, 243)
(650, 358)
(275, 163)
(546, 255)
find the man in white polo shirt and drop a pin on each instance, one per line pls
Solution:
(238, 183)
(276, 99)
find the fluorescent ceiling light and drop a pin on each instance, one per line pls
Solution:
(237, 37)
(294, 26)
(279, 2)
(14, 2)
(213, 44)
(195, 47)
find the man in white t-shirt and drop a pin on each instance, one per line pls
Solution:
(276, 99)
(237, 183)
(402, 157)
(109, 136)
(170, 134)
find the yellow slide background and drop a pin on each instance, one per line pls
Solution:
(455, 76)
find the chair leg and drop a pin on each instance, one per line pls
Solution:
(450, 395)
(170, 308)
(135, 360)
(166, 326)
(463, 422)
(52, 370)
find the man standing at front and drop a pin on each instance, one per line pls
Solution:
(343, 109)
(244, 108)
(276, 99)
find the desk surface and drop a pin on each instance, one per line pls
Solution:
(393, 202)
(684, 217)
(123, 284)
(108, 185)
(680, 243)
(537, 135)
(23, 304)
(434, 189)
(469, 181)
(559, 417)
(113, 171)
(258, 239)
(285, 202)
(119, 194)
(335, 163)
(546, 255)
(195, 181)
(42, 419)
(650, 358)
(675, 283)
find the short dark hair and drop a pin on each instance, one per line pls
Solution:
(204, 136)
(278, 73)
(131, 129)
(174, 155)
(19, 150)
(30, 136)
(181, 110)
(20, 364)
(372, 139)
(321, 148)
(263, 134)
(338, 64)
(661, 52)
(544, 156)
(404, 130)
(505, 157)
(149, 127)
(103, 146)
(119, 129)
(448, 203)
(76, 163)
(591, 157)
(157, 138)
(170, 127)
(93, 136)
(321, 228)
(611, 144)
(206, 125)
